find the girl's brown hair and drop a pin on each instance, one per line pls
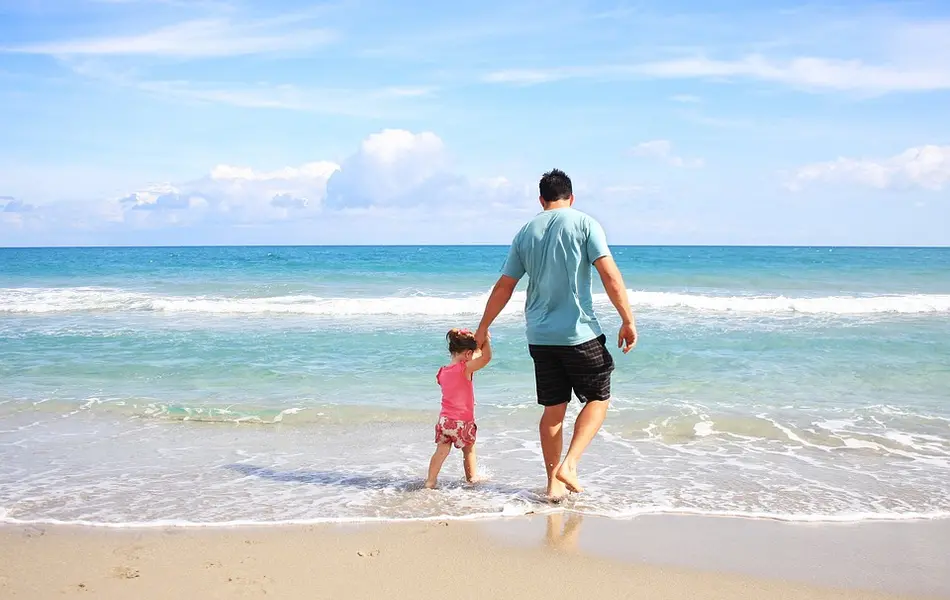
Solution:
(460, 340)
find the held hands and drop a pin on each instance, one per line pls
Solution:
(482, 337)
(627, 338)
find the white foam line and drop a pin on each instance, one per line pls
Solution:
(83, 299)
(501, 515)
(245, 522)
(789, 518)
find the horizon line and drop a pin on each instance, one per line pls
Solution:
(472, 245)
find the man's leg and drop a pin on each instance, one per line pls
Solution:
(585, 428)
(589, 366)
(551, 431)
(554, 393)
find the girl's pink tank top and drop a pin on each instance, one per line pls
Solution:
(458, 392)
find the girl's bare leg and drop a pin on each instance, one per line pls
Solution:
(469, 462)
(435, 464)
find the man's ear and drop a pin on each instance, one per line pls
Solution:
(572, 200)
(541, 200)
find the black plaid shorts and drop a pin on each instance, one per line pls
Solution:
(584, 369)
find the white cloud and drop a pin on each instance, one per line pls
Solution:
(193, 39)
(9, 205)
(367, 103)
(808, 73)
(926, 167)
(320, 170)
(228, 194)
(663, 150)
(391, 165)
(372, 102)
(394, 175)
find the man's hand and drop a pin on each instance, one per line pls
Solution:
(482, 336)
(628, 337)
(617, 292)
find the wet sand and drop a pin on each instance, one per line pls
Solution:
(556, 556)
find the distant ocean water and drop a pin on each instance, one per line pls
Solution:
(296, 384)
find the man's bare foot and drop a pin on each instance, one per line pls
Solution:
(556, 491)
(567, 474)
(429, 485)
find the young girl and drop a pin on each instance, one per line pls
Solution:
(456, 426)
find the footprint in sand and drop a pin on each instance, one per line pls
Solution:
(130, 552)
(251, 586)
(125, 573)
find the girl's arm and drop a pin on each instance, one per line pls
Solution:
(480, 359)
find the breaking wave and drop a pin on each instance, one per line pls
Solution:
(92, 299)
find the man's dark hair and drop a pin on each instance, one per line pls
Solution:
(555, 185)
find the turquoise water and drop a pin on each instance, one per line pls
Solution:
(221, 385)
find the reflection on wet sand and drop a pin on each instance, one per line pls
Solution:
(560, 535)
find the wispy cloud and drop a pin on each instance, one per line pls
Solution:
(814, 74)
(926, 167)
(215, 37)
(807, 73)
(369, 102)
(373, 103)
(663, 150)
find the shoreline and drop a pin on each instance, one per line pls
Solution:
(662, 555)
(820, 520)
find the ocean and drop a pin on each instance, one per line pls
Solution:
(228, 385)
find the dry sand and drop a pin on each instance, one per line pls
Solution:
(395, 561)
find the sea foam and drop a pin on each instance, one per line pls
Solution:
(93, 299)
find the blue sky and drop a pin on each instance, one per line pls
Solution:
(685, 122)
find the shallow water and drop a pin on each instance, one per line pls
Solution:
(214, 385)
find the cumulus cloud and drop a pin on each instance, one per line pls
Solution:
(9, 204)
(388, 167)
(232, 194)
(392, 169)
(14, 213)
(395, 175)
(663, 150)
(926, 167)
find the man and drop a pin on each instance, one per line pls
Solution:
(556, 249)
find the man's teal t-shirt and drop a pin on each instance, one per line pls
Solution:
(557, 249)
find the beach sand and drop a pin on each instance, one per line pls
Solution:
(545, 557)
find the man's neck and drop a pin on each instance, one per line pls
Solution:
(558, 205)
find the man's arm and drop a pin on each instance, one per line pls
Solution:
(617, 292)
(500, 295)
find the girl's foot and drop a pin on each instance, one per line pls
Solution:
(429, 485)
